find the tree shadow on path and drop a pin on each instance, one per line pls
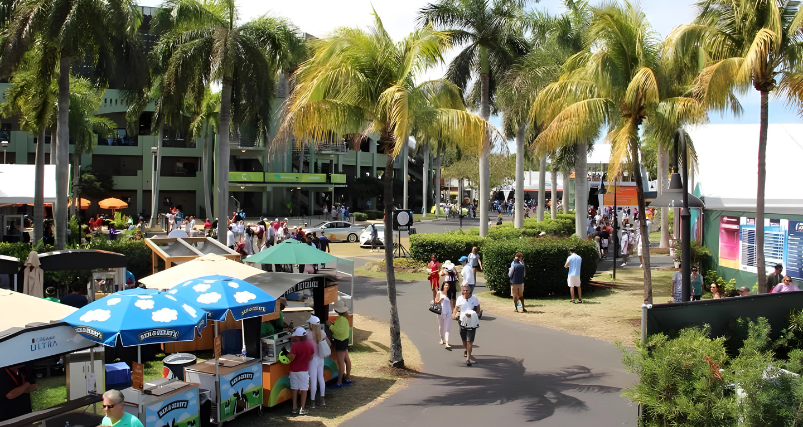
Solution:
(506, 380)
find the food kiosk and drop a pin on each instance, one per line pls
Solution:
(103, 282)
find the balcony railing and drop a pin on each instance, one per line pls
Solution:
(126, 142)
(336, 148)
(290, 178)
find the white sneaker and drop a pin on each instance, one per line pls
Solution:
(371, 250)
(641, 266)
(623, 264)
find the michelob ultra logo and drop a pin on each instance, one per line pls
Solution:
(176, 404)
(159, 333)
(243, 376)
(255, 308)
(86, 330)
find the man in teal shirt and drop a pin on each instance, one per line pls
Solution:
(115, 416)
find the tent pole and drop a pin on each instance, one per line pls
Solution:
(217, 384)
(139, 401)
(242, 329)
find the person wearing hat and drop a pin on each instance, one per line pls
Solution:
(276, 325)
(319, 342)
(340, 339)
(51, 294)
(301, 352)
(450, 277)
(467, 273)
(744, 291)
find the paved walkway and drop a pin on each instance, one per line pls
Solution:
(523, 374)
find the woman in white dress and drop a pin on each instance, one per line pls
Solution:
(445, 318)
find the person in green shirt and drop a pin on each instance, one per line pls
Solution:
(50, 294)
(340, 339)
(276, 325)
(115, 416)
(696, 284)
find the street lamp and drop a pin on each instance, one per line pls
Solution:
(678, 196)
(5, 146)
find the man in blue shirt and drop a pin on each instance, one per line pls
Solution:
(573, 263)
(516, 275)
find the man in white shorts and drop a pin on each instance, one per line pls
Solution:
(573, 263)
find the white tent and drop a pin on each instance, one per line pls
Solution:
(17, 184)
(728, 167)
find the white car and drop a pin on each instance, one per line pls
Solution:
(365, 237)
(336, 231)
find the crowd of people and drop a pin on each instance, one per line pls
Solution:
(628, 231)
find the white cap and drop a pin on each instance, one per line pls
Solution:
(299, 332)
(314, 320)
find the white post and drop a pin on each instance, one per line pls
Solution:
(405, 177)
(425, 176)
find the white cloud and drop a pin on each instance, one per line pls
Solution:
(244, 296)
(234, 285)
(173, 291)
(96, 316)
(145, 296)
(171, 297)
(190, 310)
(183, 417)
(145, 304)
(209, 298)
(201, 287)
(113, 301)
(150, 419)
(164, 315)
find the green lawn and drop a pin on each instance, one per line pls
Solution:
(419, 217)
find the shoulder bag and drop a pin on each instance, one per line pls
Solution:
(435, 308)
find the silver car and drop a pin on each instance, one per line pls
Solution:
(365, 237)
(337, 231)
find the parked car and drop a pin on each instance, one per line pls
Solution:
(337, 231)
(365, 237)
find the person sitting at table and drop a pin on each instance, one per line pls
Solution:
(276, 325)
(16, 385)
(115, 416)
(74, 298)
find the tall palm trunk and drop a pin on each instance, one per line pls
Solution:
(566, 191)
(519, 219)
(645, 234)
(663, 173)
(762, 180)
(223, 160)
(39, 188)
(405, 175)
(206, 172)
(395, 358)
(155, 183)
(54, 143)
(485, 113)
(63, 165)
(541, 189)
(581, 191)
(553, 182)
(438, 181)
(425, 175)
(76, 176)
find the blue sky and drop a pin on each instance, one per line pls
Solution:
(320, 17)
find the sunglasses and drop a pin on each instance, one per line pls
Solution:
(787, 281)
(108, 406)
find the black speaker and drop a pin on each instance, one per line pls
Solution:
(402, 219)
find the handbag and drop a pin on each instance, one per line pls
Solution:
(435, 308)
(323, 349)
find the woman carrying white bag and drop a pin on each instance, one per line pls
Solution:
(323, 349)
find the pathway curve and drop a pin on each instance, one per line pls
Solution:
(524, 373)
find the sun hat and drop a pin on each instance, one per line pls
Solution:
(339, 306)
(299, 332)
(448, 264)
(463, 258)
(314, 320)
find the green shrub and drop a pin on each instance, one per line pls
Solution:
(359, 216)
(371, 215)
(544, 259)
(137, 254)
(445, 246)
(375, 213)
(677, 385)
(560, 227)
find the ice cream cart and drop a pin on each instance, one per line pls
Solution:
(240, 385)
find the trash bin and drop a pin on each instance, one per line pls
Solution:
(177, 362)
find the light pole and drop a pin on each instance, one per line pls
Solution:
(5, 147)
(678, 194)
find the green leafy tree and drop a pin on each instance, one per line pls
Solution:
(361, 81)
(202, 43)
(748, 43)
(492, 35)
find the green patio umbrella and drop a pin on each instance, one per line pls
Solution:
(291, 251)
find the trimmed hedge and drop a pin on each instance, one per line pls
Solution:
(561, 227)
(544, 259)
(445, 246)
(359, 216)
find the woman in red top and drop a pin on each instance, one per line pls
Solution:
(434, 277)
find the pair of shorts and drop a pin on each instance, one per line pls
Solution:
(467, 334)
(299, 380)
(341, 345)
(573, 281)
(517, 290)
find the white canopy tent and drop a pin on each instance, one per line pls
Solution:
(17, 184)
(728, 167)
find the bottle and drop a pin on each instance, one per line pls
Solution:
(67, 424)
(243, 351)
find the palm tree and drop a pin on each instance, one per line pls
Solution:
(360, 82)
(617, 80)
(203, 43)
(748, 43)
(205, 123)
(492, 32)
(96, 31)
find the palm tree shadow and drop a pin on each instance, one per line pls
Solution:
(506, 380)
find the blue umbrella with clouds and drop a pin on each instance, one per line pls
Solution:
(138, 316)
(219, 295)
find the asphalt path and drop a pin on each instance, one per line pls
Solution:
(523, 374)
